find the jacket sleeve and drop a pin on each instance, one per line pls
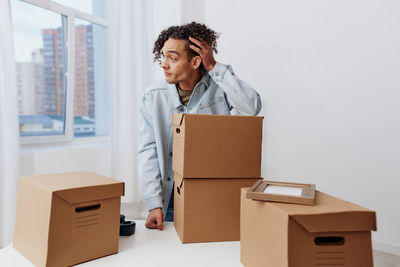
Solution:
(242, 98)
(149, 169)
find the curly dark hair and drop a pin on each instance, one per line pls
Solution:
(196, 30)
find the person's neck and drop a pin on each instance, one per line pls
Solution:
(189, 84)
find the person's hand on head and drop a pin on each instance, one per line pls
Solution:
(206, 53)
(155, 219)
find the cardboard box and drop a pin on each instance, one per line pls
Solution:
(68, 218)
(217, 146)
(208, 209)
(334, 232)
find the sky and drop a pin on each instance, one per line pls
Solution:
(29, 20)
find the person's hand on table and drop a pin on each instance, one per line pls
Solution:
(155, 219)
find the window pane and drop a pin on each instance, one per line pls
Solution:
(91, 106)
(40, 54)
(92, 7)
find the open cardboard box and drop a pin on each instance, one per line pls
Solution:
(67, 218)
(334, 232)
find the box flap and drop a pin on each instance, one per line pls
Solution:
(338, 222)
(179, 179)
(177, 119)
(91, 193)
(78, 186)
(60, 181)
(330, 214)
(190, 177)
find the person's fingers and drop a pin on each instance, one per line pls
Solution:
(152, 226)
(160, 221)
(195, 48)
(197, 42)
(150, 223)
(205, 47)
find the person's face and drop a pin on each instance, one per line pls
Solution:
(176, 64)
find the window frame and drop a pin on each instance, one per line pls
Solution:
(71, 14)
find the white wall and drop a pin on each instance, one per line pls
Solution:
(192, 10)
(82, 155)
(328, 73)
(166, 14)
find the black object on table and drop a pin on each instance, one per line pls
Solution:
(126, 228)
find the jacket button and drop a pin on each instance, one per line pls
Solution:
(169, 179)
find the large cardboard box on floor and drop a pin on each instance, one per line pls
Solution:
(217, 146)
(68, 218)
(334, 232)
(208, 209)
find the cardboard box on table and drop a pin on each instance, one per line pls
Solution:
(67, 218)
(213, 157)
(208, 209)
(334, 232)
(217, 146)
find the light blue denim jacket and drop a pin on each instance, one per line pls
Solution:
(218, 92)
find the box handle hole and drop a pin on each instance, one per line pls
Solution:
(87, 208)
(178, 190)
(178, 130)
(329, 241)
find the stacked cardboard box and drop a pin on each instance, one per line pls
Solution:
(334, 232)
(67, 218)
(213, 157)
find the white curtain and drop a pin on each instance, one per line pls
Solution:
(9, 134)
(132, 68)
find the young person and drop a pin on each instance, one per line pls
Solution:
(194, 83)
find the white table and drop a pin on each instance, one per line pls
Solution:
(152, 248)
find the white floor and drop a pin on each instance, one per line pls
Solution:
(382, 259)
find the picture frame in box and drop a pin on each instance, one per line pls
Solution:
(285, 192)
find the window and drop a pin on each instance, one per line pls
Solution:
(62, 69)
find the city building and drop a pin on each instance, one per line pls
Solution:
(26, 88)
(41, 84)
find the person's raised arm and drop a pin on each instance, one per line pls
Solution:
(242, 98)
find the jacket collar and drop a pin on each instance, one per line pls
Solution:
(173, 91)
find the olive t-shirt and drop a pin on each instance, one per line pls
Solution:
(184, 95)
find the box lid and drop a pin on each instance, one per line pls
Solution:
(177, 119)
(75, 187)
(179, 179)
(330, 214)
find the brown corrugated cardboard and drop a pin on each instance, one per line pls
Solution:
(217, 146)
(206, 209)
(68, 218)
(334, 232)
